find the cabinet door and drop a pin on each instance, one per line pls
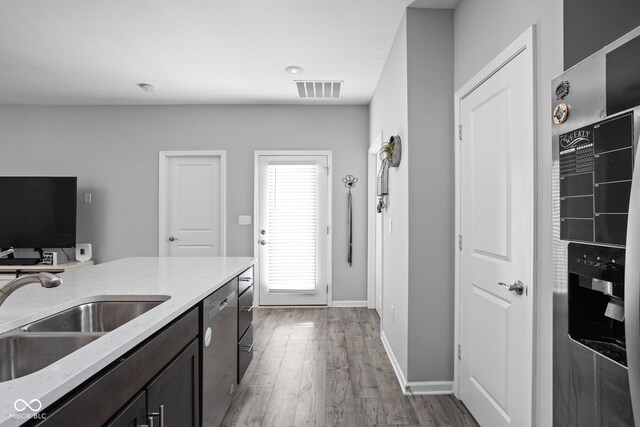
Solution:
(173, 397)
(134, 414)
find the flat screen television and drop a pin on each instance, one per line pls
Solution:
(38, 212)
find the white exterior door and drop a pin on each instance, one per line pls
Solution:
(496, 224)
(192, 205)
(293, 229)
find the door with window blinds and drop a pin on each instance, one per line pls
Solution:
(293, 230)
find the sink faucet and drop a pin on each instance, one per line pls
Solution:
(46, 280)
(5, 253)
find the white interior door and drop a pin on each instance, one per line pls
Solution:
(496, 223)
(293, 229)
(192, 215)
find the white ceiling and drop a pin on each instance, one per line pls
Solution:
(193, 51)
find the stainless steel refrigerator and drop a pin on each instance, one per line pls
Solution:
(596, 238)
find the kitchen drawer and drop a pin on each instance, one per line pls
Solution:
(245, 311)
(245, 352)
(245, 280)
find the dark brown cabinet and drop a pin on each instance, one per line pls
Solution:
(173, 396)
(159, 383)
(133, 415)
(160, 378)
(170, 399)
(245, 320)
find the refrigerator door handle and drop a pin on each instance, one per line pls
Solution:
(632, 294)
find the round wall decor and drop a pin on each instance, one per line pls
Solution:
(396, 143)
(560, 114)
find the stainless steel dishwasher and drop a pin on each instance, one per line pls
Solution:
(219, 352)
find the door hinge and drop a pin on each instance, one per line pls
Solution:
(460, 132)
(459, 352)
(327, 169)
(460, 241)
(327, 288)
(327, 229)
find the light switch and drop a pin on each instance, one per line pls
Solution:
(390, 226)
(244, 219)
(87, 198)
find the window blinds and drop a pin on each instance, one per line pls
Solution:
(292, 226)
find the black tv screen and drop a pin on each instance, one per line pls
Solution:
(38, 212)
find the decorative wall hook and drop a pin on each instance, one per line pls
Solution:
(350, 182)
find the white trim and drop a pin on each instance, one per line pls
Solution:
(376, 143)
(402, 381)
(256, 213)
(349, 304)
(414, 387)
(163, 160)
(428, 388)
(525, 42)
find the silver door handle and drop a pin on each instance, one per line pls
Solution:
(263, 242)
(159, 414)
(517, 287)
(173, 238)
(248, 309)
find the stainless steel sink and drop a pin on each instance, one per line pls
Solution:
(34, 346)
(26, 353)
(100, 316)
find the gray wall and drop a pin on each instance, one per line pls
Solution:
(431, 194)
(590, 25)
(114, 153)
(483, 28)
(413, 99)
(388, 113)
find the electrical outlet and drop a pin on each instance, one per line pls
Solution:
(393, 314)
(244, 219)
(87, 198)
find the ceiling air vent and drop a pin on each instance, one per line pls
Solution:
(319, 89)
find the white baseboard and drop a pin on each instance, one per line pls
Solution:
(429, 387)
(414, 387)
(349, 304)
(394, 363)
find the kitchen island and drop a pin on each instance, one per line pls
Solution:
(185, 281)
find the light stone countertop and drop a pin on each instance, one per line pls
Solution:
(186, 281)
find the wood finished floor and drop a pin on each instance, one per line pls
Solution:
(328, 367)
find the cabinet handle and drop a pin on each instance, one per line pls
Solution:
(247, 348)
(247, 309)
(208, 334)
(159, 414)
(246, 279)
(224, 303)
